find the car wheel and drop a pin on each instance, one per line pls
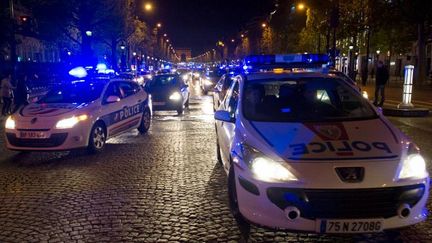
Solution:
(180, 111)
(145, 122)
(232, 196)
(97, 138)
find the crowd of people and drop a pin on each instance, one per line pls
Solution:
(13, 93)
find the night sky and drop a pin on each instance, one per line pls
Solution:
(198, 24)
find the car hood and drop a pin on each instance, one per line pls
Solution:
(330, 141)
(49, 110)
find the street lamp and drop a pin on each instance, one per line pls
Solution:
(232, 40)
(264, 25)
(301, 6)
(165, 35)
(242, 35)
(148, 7)
(159, 25)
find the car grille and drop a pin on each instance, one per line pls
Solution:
(346, 203)
(55, 140)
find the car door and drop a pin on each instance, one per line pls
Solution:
(225, 130)
(111, 110)
(132, 109)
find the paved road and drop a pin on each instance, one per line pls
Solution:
(163, 186)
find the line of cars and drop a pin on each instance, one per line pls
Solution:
(305, 151)
(86, 112)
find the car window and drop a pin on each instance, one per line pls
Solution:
(128, 88)
(161, 81)
(112, 90)
(74, 93)
(231, 99)
(305, 99)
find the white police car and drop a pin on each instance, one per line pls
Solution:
(304, 151)
(82, 114)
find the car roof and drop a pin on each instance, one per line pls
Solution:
(273, 75)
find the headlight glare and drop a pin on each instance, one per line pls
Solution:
(175, 96)
(264, 168)
(268, 170)
(414, 167)
(10, 123)
(70, 122)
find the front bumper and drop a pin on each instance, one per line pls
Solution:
(264, 204)
(167, 105)
(55, 140)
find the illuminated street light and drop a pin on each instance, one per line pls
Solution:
(159, 25)
(378, 52)
(165, 35)
(351, 47)
(264, 25)
(148, 7)
(301, 6)
(242, 35)
(232, 40)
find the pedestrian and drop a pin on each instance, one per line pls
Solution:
(381, 79)
(20, 93)
(6, 93)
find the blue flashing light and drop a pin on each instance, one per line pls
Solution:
(78, 72)
(101, 67)
(287, 59)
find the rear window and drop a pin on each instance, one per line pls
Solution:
(160, 81)
(301, 100)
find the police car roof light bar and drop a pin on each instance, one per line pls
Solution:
(257, 63)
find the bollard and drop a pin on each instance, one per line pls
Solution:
(407, 88)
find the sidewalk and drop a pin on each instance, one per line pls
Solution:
(421, 96)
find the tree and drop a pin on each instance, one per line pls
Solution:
(418, 13)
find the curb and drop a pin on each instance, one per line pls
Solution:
(414, 112)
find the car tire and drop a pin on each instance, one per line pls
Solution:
(232, 196)
(145, 122)
(97, 138)
(180, 111)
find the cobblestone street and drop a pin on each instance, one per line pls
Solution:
(165, 186)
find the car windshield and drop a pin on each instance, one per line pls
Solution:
(160, 81)
(307, 99)
(74, 93)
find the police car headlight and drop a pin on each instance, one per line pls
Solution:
(10, 123)
(365, 95)
(413, 167)
(268, 170)
(175, 96)
(70, 122)
(264, 168)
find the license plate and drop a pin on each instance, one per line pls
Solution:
(350, 226)
(158, 103)
(33, 135)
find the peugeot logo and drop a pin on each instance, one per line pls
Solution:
(350, 174)
(34, 120)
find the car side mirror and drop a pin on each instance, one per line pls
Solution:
(112, 99)
(224, 116)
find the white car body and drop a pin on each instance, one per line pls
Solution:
(312, 152)
(36, 124)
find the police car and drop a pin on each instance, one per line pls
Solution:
(81, 114)
(304, 151)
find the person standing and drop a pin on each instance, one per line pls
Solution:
(20, 93)
(6, 93)
(381, 79)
